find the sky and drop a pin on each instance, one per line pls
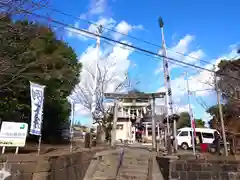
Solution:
(197, 32)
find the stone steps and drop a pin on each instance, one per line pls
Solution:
(132, 177)
(107, 168)
(143, 163)
(134, 167)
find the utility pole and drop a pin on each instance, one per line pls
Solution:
(71, 132)
(71, 125)
(166, 112)
(191, 116)
(95, 81)
(114, 126)
(99, 31)
(153, 124)
(221, 114)
(167, 82)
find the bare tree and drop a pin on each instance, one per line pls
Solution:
(107, 80)
(16, 7)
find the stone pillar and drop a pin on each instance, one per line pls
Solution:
(146, 130)
(87, 142)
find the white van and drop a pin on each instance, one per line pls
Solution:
(184, 136)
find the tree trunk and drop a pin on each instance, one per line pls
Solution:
(100, 135)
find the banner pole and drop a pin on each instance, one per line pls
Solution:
(71, 124)
(39, 144)
(3, 149)
(40, 138)
(17, 148)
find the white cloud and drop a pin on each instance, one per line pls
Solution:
(181, 47)
(97, 7)
(198, 82)
(178, 107)
(83, 16)
(194, 56)
(115, 65)
(181, 51)
(107, 23)
(81, 111)
(183, 108)
(73, 32)
(123, 28)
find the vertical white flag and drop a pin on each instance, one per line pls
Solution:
(37, 98)
(72, 116)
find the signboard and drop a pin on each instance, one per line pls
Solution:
(13, 134)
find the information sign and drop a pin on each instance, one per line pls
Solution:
(13, 134)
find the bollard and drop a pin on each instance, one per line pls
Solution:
(88, 140)
(169, 145)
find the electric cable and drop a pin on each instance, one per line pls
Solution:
(124, 34)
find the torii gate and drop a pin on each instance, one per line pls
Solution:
(134, 96)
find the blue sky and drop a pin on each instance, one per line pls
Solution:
(206, 30)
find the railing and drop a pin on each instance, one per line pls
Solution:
(120, 160)
(234, 140)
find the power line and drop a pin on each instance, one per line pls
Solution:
(124, 34)
(80, 31)
(112, 40)
(26, 75)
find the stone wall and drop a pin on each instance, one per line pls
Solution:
(198, 169)
(70, 166)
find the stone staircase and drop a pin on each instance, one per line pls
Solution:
(107, 168)
(135, 166)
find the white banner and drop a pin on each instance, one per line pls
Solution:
(72, 116)
(37, 98)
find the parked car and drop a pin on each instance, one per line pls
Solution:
(64, 132)
(184, 136)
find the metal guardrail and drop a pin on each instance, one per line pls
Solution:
(120, 159)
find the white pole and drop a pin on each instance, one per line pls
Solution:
(191, 116)
(167, 82)
(166, 112)
(39, 144)
(221, 115)
(94, 98)
(71, 123)
(17, 149)
(114, 127)
(153, 124)
(3, 149)
(40, 140)
(95, 77)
